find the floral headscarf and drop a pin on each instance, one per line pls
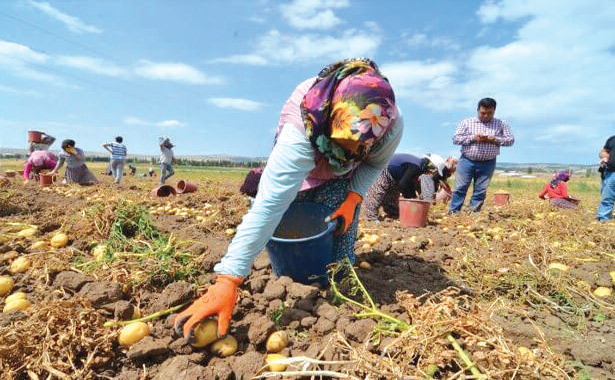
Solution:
(347, 110)
(561, 176)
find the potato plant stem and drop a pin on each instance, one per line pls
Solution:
(464, 357)
(147, 317)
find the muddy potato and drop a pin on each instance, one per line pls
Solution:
(6, 285)
(275, 367)
(133, 333)
(225, 346)
(20, 265)
(277, 341)
(205, 332)
(59, 240)
(17, 304)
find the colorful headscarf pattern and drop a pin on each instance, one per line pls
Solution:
(349, 108)
(561, 176)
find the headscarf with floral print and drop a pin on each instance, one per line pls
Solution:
(348, 109)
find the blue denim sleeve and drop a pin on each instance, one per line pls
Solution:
(288, 165)
(370, 169)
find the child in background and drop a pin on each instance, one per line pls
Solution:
(167, 159)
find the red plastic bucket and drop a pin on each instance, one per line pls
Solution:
(185, 187)
(45, 179)
(10, 173)
(163, 191)
(35, 136)
(501, 199)
(413, 212)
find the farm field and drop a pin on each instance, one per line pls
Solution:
(521, 291)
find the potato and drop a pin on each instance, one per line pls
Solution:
(526, 354)
(559, 266)
(277, 341)
(225, 346)
(612, 274)
(17, 304)
(15, 296)
(275, 367)
(205, 332)
(59, 240)
(366, 246)
(229, 232)
(39, 245)
(602, 291)
(365, 265)
(132, 333)
(99, 251)
(6, 285)
(28, 232)
(372, 239)
(20, 265)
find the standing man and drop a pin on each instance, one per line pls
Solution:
(167, 159)
(480, 139)
(118, 157)
(607, 190)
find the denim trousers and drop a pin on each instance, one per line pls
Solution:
(607, 197)
(166, 171)
(117, 169)
(467, 171)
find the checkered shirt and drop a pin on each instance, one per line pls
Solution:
(482, 151)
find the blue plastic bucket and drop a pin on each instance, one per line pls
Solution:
(302, 245)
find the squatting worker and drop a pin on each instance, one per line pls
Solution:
(336, 133)
(557, 191)
(480, 138)
(76, 170)
(407, 174)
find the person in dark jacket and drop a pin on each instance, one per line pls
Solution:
(412, 177)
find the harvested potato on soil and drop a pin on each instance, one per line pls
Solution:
(59, 240)
(205, 332)
(133, 333)
(17, 304)
(277, 341)
(20, 265)
(225, 346)
(28, 232)
(15, 296)
(602, 292)
(99, 251)
(365, 265)
(39, 245)
(275, 367)
(229, 232)
(6, 285)
(559, 266)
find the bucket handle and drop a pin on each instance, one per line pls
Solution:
(337, 225)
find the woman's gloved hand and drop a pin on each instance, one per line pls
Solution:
(346, 211)
(219, 299)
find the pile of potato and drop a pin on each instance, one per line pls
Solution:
(17, 300)
(200, 214)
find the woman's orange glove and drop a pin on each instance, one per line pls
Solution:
(346, 211)
(219, 299)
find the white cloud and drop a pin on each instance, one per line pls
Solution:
(131, 120)
(174, 71)
(94, 65)
(73, 24)
(422, 40)
(236, 103)
(25, 62)
(17, 91)
(313, 14)
(242, 59)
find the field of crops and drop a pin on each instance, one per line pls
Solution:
(515, 292)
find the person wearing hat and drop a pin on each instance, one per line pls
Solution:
(480, 138)
(76, 170)
(167, 159)
(335, 134)
(412, 177)
(118, 157)
(557, 191)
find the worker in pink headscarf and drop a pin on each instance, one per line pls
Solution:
(38, 160)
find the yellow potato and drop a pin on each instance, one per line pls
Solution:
(365, 265)
(18, 304)
(225, 346)
(602, 291)
(372, 239)
(275, 367)
(59, 240)
(205, 332)
(28, 232)
(612, 274)
(229, 232)
(99, 251)
(413, 239)
(526, 354)
(20, 265)
(39, 245)
(15, 296)
(559, 266)
(6, 285)
(366, 246)
(277, 341)
(133, 333)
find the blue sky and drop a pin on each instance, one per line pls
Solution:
(213, 75)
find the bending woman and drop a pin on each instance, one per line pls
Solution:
(557, 191)
(76, 170)
(336, 133)
(38, 160)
